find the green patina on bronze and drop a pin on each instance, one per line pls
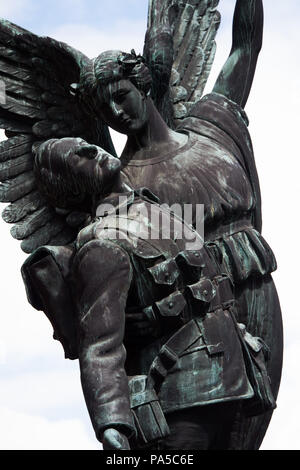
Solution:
(167, 338)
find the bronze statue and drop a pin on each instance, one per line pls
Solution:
(185, 148)
(166, 299)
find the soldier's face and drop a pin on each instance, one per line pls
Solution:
(123, 107)
(94, 167)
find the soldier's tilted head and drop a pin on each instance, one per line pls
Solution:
(70, 173)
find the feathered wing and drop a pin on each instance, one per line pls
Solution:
(179, 49)
(36, 104)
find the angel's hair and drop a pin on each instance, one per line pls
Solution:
(112, 66)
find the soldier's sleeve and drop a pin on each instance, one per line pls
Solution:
(102, 277)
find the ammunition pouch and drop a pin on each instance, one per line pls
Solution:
(255, 355)
(148, 414)
(149, 419)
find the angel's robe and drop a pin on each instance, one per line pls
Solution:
(216, 167)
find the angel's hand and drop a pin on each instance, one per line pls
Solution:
(236, 77)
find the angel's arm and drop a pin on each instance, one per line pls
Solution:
(236, 77)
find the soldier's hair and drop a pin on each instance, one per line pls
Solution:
(58, 192)
(112, 66)
(59, 186)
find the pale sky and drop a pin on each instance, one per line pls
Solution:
(41, 403)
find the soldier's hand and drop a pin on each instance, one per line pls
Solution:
(114, 440)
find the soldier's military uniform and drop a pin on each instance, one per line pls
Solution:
(191, 353)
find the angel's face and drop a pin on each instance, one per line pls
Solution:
(123, 107)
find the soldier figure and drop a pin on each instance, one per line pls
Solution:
(164, 364)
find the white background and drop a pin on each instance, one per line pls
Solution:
(41, 403)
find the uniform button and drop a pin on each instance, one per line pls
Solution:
(171, 305)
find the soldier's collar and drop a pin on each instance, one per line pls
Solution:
(113, 203)
(145, 193)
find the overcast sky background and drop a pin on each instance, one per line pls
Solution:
(41, 403)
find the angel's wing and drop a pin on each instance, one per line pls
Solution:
(36, 104)
(179, 49)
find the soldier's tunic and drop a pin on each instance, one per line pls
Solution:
(123, 265)
(169, 283)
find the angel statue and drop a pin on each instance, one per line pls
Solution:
(178, 348)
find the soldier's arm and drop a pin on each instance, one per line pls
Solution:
(102, 276)
(236, 77)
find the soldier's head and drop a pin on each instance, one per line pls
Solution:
(119, 84)
(71, 173)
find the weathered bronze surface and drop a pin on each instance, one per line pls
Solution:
(179, 348)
